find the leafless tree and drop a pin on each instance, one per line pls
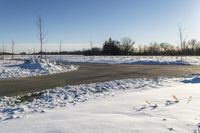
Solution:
(127, 44)
(154, 48)
(3, 50)
(13, 43)
(166, 47)
(60, 47)
(140, 49)
(91, 46)
(41, 33)
(193, 45)
(182, 40)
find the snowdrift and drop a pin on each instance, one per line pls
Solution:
(33, 67)
(14, 107)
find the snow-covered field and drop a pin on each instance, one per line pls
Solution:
(173, 60)
(123, 106)
(15, 68)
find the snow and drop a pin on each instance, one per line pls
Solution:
(146, 60)
(61, 97)
(156, 60)
(34, 67)
(128, 106)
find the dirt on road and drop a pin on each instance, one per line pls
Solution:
(90, 73)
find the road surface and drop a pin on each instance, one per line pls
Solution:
(90, 73)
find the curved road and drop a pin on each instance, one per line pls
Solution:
(89, 73)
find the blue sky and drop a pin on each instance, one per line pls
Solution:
(76, 22)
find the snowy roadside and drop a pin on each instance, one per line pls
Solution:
(17, 106)
(10, 69)
(139, 105)
(121, 113)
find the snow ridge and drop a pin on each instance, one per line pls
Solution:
(10, 69)
(17, 106)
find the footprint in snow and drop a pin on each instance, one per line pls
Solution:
(145, 107)
(140, 109)
(171, 129)
(169, 102)
(154, 106)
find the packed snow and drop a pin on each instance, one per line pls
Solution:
(33, 67)
(146, 60)
(128, 106)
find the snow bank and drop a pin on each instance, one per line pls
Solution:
(156, 60)
(34, 67)
(126, 106)
(14, 107)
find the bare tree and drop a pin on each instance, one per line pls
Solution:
(154, 48)
(60, 47)
(181, 40)
(140, 49)
(127, 44)
(13, 43)
(41, 33)
(3, 50)
(91, 46)
(165, 47)
(193, 45)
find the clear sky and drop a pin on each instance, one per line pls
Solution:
(76, 22)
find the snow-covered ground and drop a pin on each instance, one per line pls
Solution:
(173, 60)
(123, 106)
(16, 68)
(186, 60)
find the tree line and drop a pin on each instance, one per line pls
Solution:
(126, 47)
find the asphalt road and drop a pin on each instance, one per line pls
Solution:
(90, 73)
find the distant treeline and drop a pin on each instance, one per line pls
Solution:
(126, 47)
